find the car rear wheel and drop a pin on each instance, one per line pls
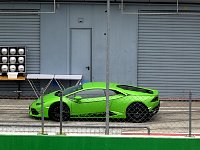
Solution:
(54, 112)
(137, 112)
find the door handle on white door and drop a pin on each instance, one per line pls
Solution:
(88, 67)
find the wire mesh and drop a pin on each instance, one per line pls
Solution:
(129, 115)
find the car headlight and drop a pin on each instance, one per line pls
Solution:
(154, 99)
(38, 104)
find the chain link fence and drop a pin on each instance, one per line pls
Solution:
(129, 115)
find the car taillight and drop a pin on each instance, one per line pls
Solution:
(154, 99)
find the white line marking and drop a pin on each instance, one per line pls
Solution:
(179, 107)
(179, 110)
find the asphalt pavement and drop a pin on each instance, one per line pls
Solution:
(173, 118)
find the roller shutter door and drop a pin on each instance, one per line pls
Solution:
(21, 29)
(169, 54)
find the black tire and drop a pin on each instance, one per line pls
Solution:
(54, 112)
(137, 112)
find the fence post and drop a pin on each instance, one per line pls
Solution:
(61, 109)
(107, 68)
(190, 113)
(42, 109)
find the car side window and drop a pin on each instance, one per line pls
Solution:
(112, 93)
(91, 93)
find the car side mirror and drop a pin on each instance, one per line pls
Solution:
(77, 98)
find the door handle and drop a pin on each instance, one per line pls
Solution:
(88, 67)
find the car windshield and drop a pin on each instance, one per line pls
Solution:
(72, 89)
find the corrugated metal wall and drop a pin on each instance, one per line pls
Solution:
(21, 29)
(169, 54)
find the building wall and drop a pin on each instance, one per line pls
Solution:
(128, 44)
(131, 49)
(55, 41)
(19, 29)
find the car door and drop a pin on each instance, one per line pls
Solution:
(88, 103)
(117, 100)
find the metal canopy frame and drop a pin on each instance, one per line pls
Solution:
(31, 77)
(50, 77)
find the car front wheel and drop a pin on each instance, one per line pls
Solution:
(54, 112)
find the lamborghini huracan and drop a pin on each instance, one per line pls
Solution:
(88, 100)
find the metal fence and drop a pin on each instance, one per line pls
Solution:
(176, 116)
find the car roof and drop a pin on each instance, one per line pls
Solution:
(101, 85)
(114, 86)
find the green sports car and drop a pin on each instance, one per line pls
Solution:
(89, 101)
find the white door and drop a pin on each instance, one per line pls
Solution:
(81, 53)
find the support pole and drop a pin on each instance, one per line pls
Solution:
(190, 113)
(42, 109)
(61, 110)
(107, 68)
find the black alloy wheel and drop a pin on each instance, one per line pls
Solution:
(137, 112)
(54, 112)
